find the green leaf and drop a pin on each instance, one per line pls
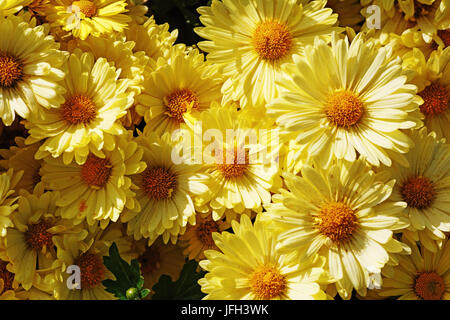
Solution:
(127, 275)
(185, 288)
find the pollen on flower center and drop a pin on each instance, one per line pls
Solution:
(435, 100)
(445, 36)
(238, 164)
(418, 192)
(158, 183)
(344, 109)
(337, 221)
(272, 40)
(78, 109)
(429, 286)
(37, 236)
(87, 7)
(267, 283)
(95, 172)
(91, 269)
(150, 260)
(205, 230)
(179, 102)
(11, 70)
(6, 276)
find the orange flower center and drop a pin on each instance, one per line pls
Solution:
(37, 236)
(11, 70)
(418, 192)
(95, 172)
(180, 102)
(337, 221)
(429, 286)
(435, 100)
(267, 283)
(344, 109)
(158, 183)
(150, 260)
(87, 7)
(205, 230)
(445, 36)
(78, 109)
(272, 40)
(6, 276)
(237, 166)
(91, 269)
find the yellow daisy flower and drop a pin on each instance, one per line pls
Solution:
(8, 181)
(424, 186)
(38, 9)
(86, 122)
(29, 244)
(30, 69)
(9, 7)
(198, 237)
(182, 84)
(153, 39)
(432, 78)
(426, 16)
(21, 158)
(99, 189)
(86, 250)
(342, 214)
(158, 259)
(85, 17)
(8, 285)
(137, 9)
(348, 98)
(424, 275)
(120, 53)
(242, 173)
(250, 267)
(165, 192)
(251, 40)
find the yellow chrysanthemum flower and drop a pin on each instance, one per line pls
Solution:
(30, 69)
(29, 244)
(38, 9)
(8, 181)
(250, 267)
(21, 158)
(424, 186)
(165, 192)
(432, 78)
(9, 7)
(251, 40)
(99, 189)
(424, 275)
(198, 237)
(426, 16)
(242, 170)
(153, 39)
(86, 122)
(85, 17)
(342, 214)
(86, 250)
(159, 259)
(183, 84)
(120, 53)
(347, 98)
(137, 9)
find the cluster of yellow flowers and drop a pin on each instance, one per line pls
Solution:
(351, 97)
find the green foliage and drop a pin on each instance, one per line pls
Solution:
(129, 281)
(181, 15)
(185, 288)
